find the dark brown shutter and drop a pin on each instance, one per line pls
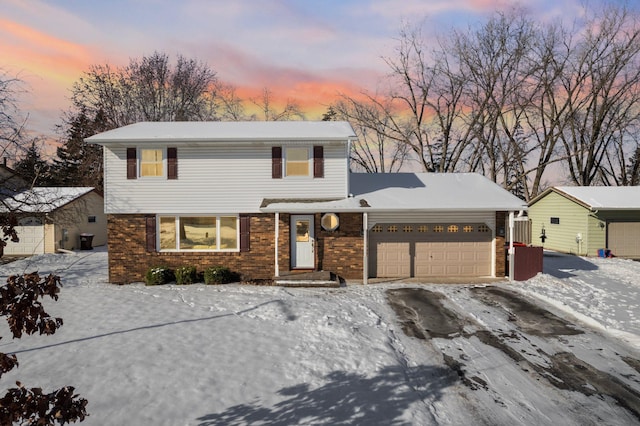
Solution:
(244, 232)
(276, 162)
(132, 166)
(318, 161)
(151, 233)
(172, 163)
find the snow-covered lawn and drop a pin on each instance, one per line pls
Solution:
(238, 354)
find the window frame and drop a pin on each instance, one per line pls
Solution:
(309, 162)
(164, 162)
(176, 217)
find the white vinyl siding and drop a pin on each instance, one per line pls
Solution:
(220, 179)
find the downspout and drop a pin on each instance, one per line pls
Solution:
(277, 266)
(511, 251)
(365, 256)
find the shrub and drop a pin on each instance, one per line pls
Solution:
(158, 275)
(186, 275)
(217, 275)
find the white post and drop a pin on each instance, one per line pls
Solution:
(511, 251)
(365, 245)
(277, 266)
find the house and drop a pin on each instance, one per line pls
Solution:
(269, 199)
(10, 180)
(51, 218)
(585, 219)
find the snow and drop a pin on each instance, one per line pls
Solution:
(605, 197)
(432, 192)
(225, 131)
(240, 354)
(42, 199)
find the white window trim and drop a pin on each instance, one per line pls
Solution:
(164, 162)
(176, 217)
(309, 162)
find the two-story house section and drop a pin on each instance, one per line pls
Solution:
(267, 199)
(179, 193)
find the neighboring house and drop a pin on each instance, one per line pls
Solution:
(51, 218)
(585, 219)
(10, 180)
(268, 199)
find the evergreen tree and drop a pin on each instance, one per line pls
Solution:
(79, 163)
(32, 168)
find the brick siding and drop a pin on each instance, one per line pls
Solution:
(339, 251)
(501, 266)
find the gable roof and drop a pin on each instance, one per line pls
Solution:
(41, 199)
(407, 192)
(215, 131)
(598, 197)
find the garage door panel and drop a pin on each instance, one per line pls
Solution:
(30, 231)
(624, 239)
(455, 251)
(393, 259)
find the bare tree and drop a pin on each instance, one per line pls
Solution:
(373, 151)
(149, 89)
(290, 111)
(12, 125)
(602, 88)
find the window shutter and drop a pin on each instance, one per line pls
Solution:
(132, 166)
(318, 161)
(151, 233)
(244, 232)
(276, 162)
(172, 163)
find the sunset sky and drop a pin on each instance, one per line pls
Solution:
(300, 49)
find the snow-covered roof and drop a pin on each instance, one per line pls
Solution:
(212, 131)
(389, 192)
(41, 199)
(601, 197)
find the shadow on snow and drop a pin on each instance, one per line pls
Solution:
(346, 398)
(562, 265)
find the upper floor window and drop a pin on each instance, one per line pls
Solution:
(297, 162)
(151, 162)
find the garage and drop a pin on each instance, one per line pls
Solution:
(31, 233)
(430, 250)
(624, 239)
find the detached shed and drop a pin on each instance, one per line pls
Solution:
(585, 219)
(51, 218)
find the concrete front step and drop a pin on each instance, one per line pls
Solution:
(308, 279)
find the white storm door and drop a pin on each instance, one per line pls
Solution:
(302, 242)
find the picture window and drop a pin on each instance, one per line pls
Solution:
(198, 233)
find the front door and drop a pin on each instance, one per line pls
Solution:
(302, 242)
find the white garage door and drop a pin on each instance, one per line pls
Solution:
(430, 249)
(624, 239)
(31, 233)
